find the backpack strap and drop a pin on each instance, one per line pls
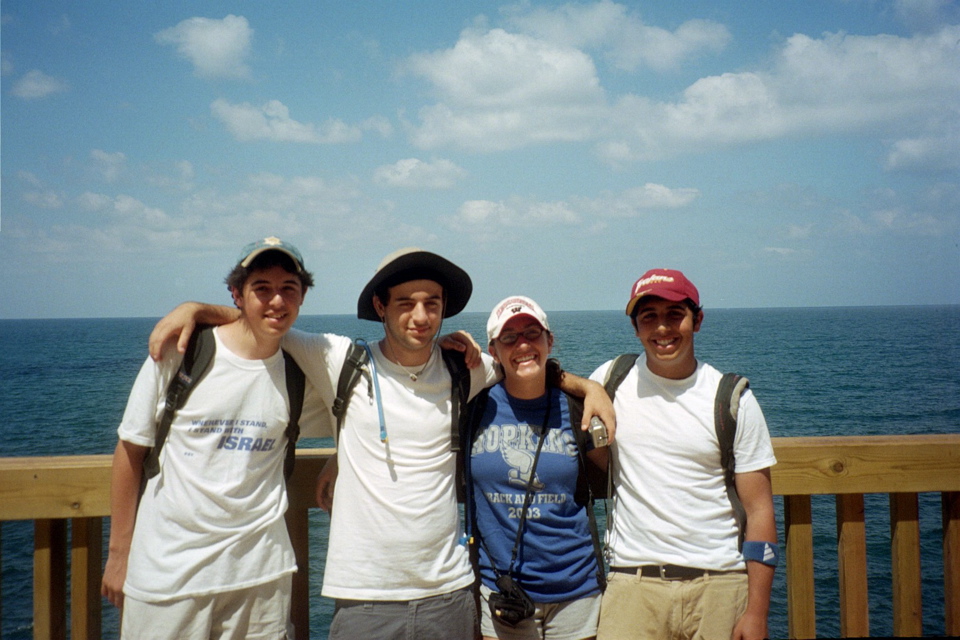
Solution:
(618, 371)
(353, 365)
(460, 392)
(589, 480)
(726, 408)
(196, 362)
(296, 385)
(459, 397)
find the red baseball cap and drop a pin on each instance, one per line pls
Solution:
(668, 284)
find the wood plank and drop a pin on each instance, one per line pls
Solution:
(43, 487)
(86, 553)
(801, 604)
(951, 562)
(852, 567)
(50, 580)
(298, 526)
(868, 464)
(905, 552)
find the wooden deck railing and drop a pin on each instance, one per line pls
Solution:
(53, 491)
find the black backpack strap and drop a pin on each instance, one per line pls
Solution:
(589, 480)
(459, 427)
(618, 371)
(726, 408)
(196, 362)
(353, 366)
(472, 414)
(459, 392)
(296, 385)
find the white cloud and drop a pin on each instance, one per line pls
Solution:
(413, 173)
(93, 201)
(485, 214)
(500, 90)
(783, 252)
(633, 202)
(6, 64)
(44, 199)
(620, 34)
(35, 84)
(109, 165)
(497, 90)
(272, 122)
(940, 153)
(216, 48)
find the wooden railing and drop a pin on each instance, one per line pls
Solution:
(53, 491)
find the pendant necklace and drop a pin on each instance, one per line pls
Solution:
(413, 374)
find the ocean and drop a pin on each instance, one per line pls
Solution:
(815, 371)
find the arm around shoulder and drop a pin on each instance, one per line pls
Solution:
(181, 322)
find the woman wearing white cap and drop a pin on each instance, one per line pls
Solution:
(541, 575)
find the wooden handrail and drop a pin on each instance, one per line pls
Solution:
(54, 490)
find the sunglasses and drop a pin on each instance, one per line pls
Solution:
(530, 333)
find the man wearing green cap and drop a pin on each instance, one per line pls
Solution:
(204, 551)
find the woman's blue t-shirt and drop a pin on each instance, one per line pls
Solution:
(556, 559)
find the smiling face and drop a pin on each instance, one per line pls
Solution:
(411, 319)
(666, 331)
(525, 360)
(270, 301)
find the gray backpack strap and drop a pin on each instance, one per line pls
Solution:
(196, 362)
(726, 408)
(618, 371)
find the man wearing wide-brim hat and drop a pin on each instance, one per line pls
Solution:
(395, 558)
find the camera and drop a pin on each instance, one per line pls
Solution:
(598, 431)
(512, 605)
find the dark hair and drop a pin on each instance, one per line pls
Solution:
(266, 260)
(687, 301)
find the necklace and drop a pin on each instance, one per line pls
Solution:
(413, 374)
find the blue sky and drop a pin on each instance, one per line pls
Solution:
(793, 153)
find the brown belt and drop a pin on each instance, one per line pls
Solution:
(670, 572)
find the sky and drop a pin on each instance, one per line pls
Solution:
(780, 153)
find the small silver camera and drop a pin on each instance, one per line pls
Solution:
(598, 431)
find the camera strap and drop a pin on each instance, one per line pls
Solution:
(529, 495)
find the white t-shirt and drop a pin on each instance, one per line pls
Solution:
(212, 520)
(395, 528)
(671, 503)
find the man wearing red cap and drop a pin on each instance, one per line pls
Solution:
(676, 568)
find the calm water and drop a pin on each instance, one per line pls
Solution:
(824, 371)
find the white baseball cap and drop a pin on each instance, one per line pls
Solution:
(511, 308)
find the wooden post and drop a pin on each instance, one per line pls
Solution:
(905, 552)
(299, 528)
(86, 553)
(50, 580)
(951, 561)
(852, 566)
(801, 607)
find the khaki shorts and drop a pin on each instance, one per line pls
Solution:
(705, 608)
(259, 613)
(570, 620)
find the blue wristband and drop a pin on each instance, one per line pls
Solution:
(767, 553)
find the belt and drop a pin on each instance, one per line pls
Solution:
(670, 572)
